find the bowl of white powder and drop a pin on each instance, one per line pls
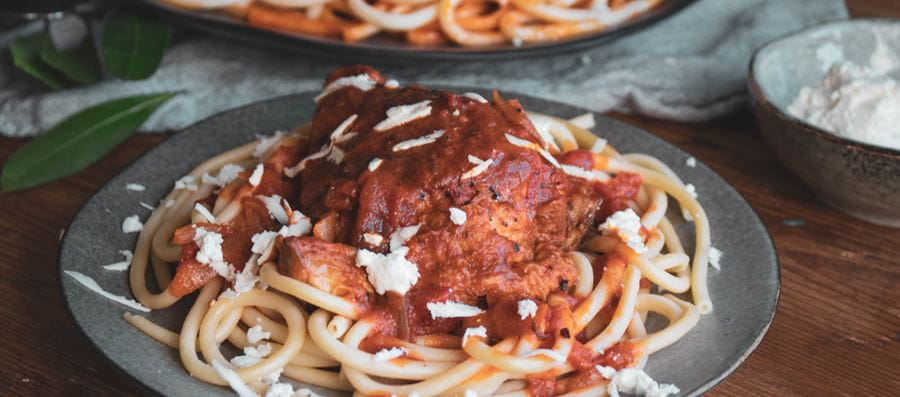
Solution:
(828, 102)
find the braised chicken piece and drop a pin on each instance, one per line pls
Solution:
(329, 267)
(385, 158)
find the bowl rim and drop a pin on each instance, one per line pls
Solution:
(758, 95)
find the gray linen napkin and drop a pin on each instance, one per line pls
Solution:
(688, 67)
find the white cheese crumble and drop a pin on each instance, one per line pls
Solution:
(391, 272)
(598, 145)
(400, 236)
(691, 189)
(605, 371)
(280, 390)
(275, 205)
(578, 172)
(480, 166)
(470, 393)
(450, 309)
(265, 142)
(123, 265)
(457, 216)
(210, 253)
(262, 241)
(146, 206)
(714, 257)
(531, 145)
(373, 238)
(234, 381)
(252, 355)
(374, 164)
(456, 113)
(363, 82)
(626, 225)
(92, 285)
(389, 354)
(637, 382)
(132, 224)
(256, 176)
(186, 182)
(137, 187)
(204, 212)
(226, 174)
(552, 354)
(256, 334)
(527, 308)
(476, 97)
(299, 225)
(474, 331)
(691, 162)
(517, 41)
(391, 84)
(585, 121)
(420, 141)
(402, 114)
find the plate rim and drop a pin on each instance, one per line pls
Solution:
(336, 49)
(146, 388)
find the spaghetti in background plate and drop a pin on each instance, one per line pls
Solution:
(430, 29)
(404, 241)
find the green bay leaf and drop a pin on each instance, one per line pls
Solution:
(133, 44)
(78, 141)
(79, 64)
(26, 54)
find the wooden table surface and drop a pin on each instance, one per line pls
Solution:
(837, 331)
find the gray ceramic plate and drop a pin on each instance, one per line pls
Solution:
(745, 291)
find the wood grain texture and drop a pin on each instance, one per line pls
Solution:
(837, 331)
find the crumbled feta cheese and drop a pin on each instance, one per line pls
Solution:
(291, 172)
(276, 208)
(210, 253)
(422, 140)
(261, 241)
(517, 41)
(399, 115)
(226, 174)
(480, 166)
(474, 331)
(531, 145)
(363, 82)
(470, 393)
(584, 121)
(132, 224)
(450, 309)
(234, 380)
(691, 162)
(373, 238)
(135, 187)
(391, 84)
(256, 176)
(186, 182)
(204, 212)
(606, 372)
(335, 155)
(455, 112)
(400, 236)
(123, 265)
(714, 257)
(391, 272)
(375, 163)
(476, 97)
(299, 225)
(389, 354)
(256, 334)
(304, 392)
(527, 308)
(635, 381)
(146, 206)
(338, 136)
(627, 226)
(457, 216)
(691, 189)
(577, 172)
(265, 142)
(598, 145)
(552, 354)
(92, 285)
(280, 390)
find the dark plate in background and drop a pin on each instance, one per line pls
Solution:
(381, 49)
(744, 292)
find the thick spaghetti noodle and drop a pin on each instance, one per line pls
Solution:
(378, 306)
(469, 23)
